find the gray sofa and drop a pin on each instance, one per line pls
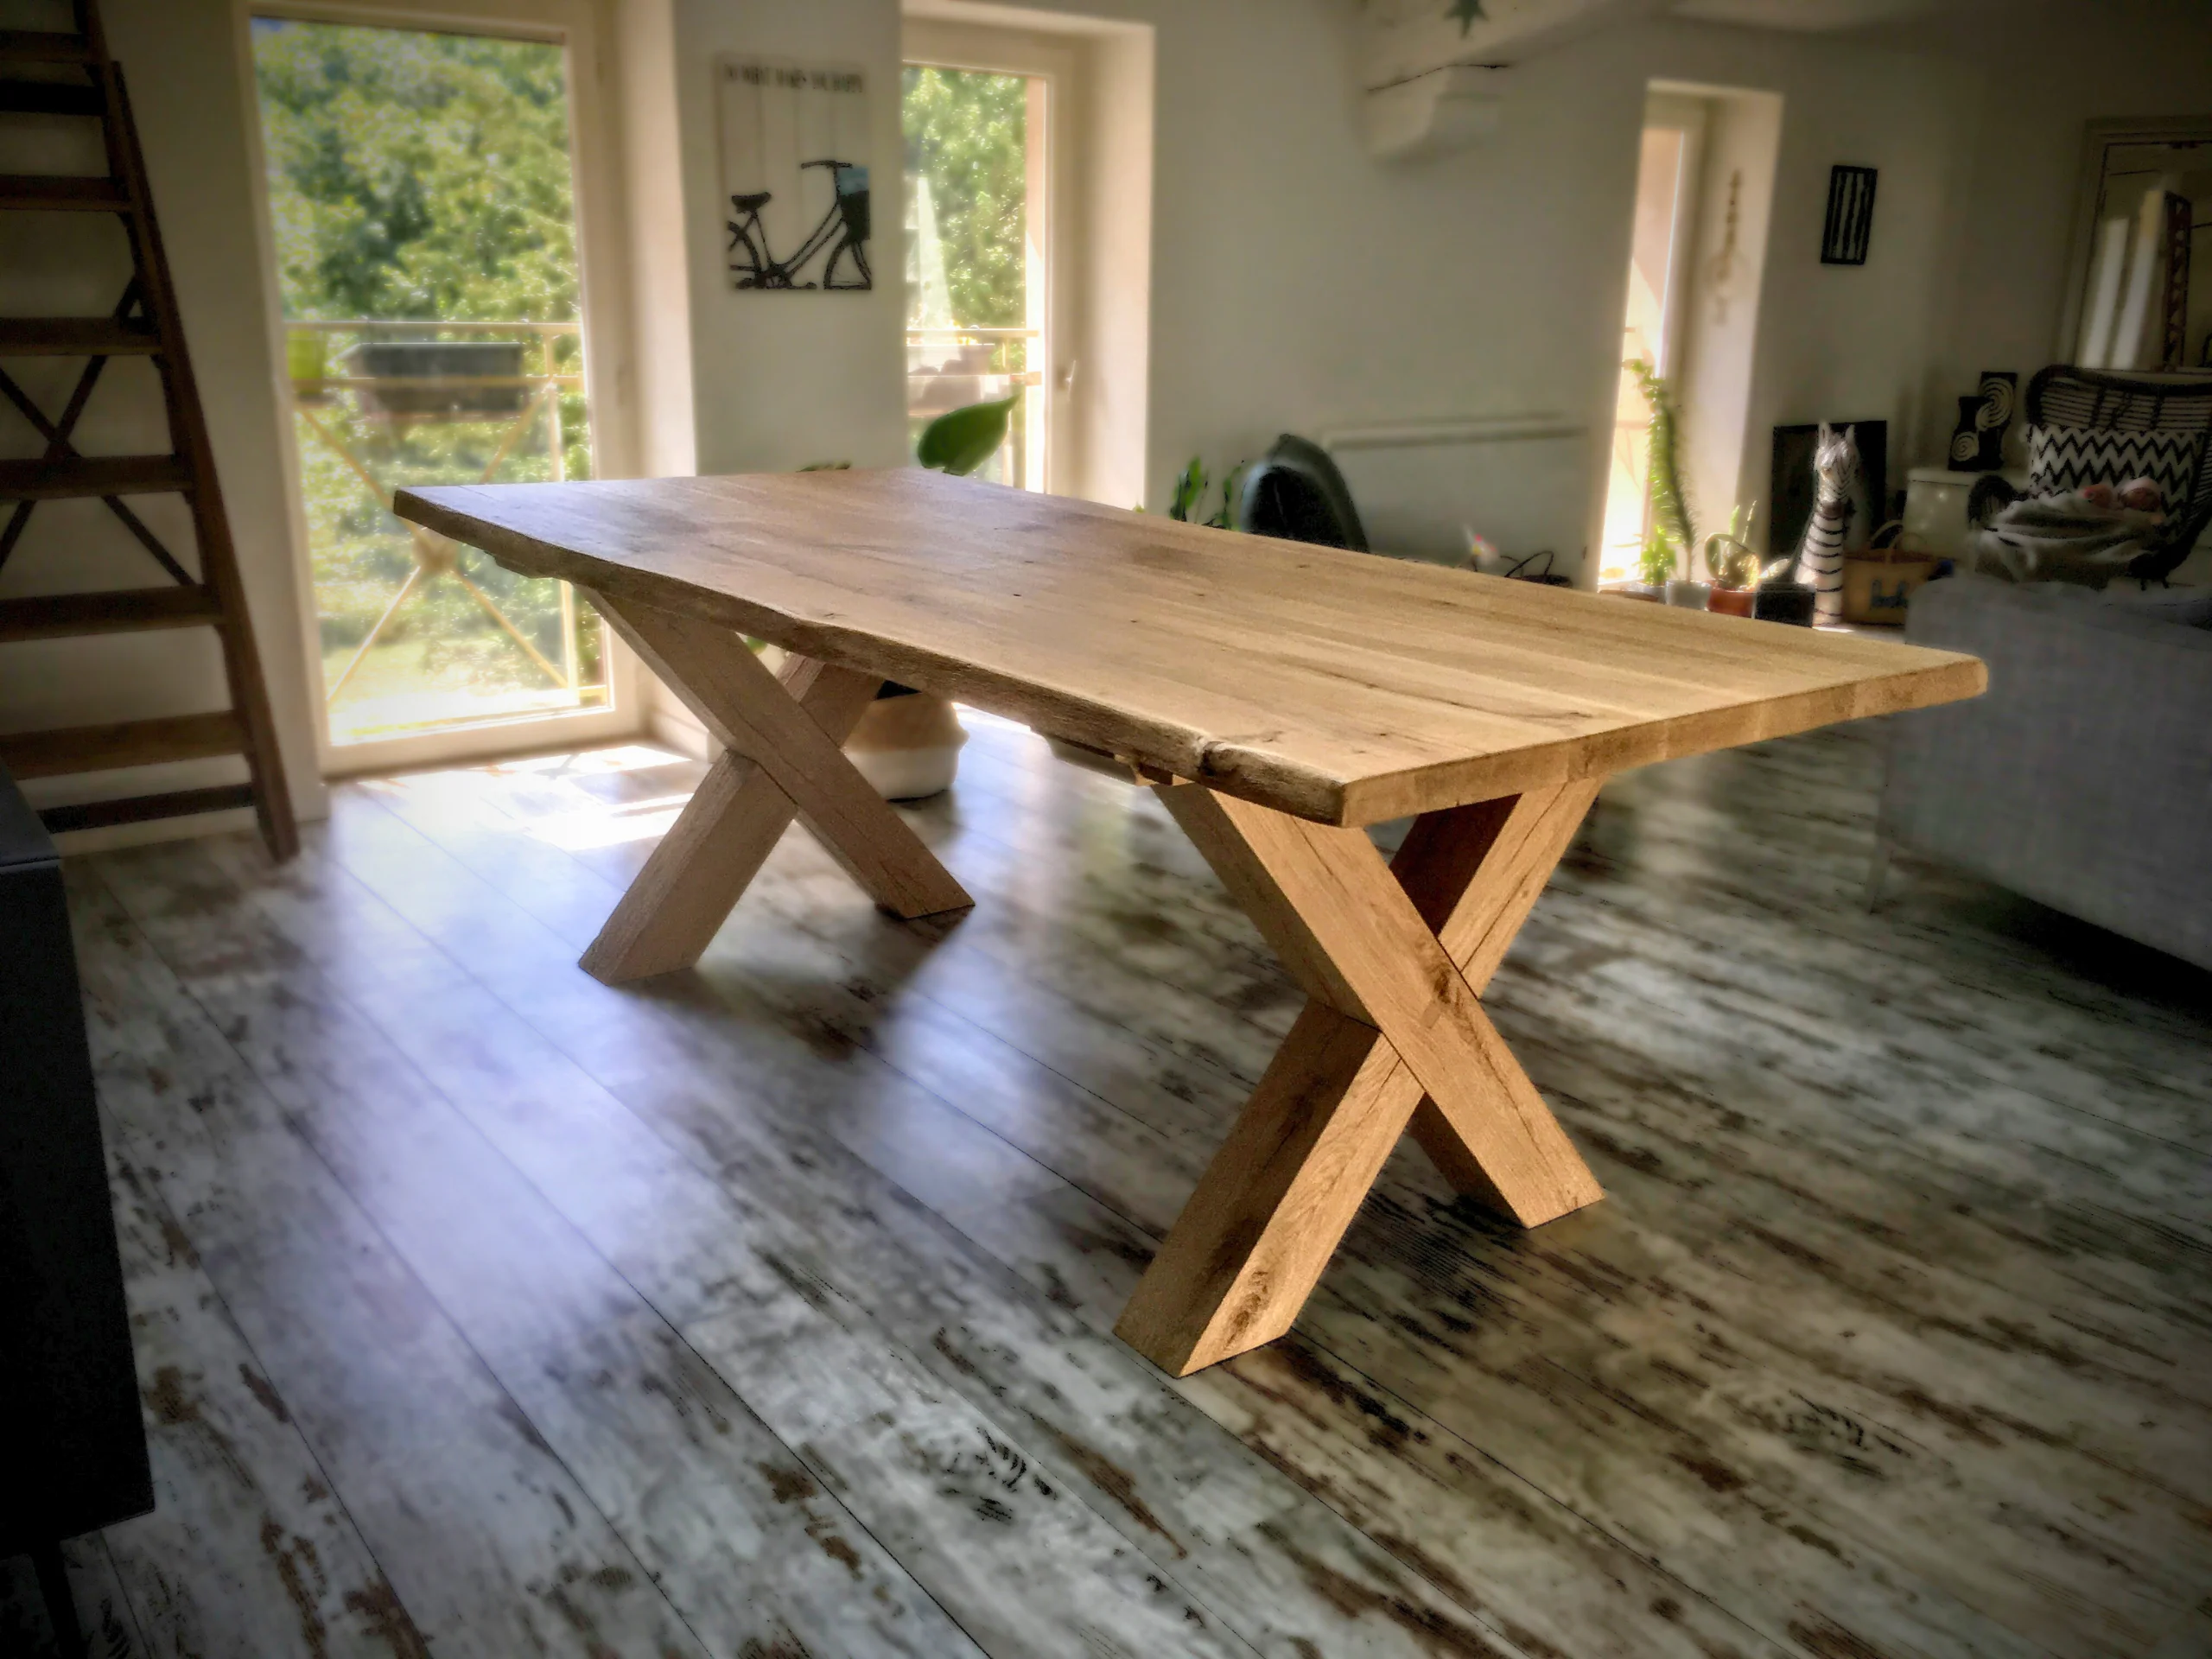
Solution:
(2083, 777)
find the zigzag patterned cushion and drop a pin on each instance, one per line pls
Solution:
(2062, 458)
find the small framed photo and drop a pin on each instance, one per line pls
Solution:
(1851, 216)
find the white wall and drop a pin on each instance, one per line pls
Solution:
(1721, 318)
(1108, 404)
(189, 92)
(2009, 257)
(1298, 285)
(751, 382)
(779, 380)
(1845, 342)
(2004, 277)
(656, 238)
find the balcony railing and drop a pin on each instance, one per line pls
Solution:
(949, 368)
(365, 392)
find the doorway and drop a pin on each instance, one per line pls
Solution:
(979, 109)
(424, 221)
(1668, 170)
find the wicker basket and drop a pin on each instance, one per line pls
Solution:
(1879, 582)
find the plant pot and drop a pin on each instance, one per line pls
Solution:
(306, 364)
(907, 746)
(1784, 601)
(1686, 595)
(1730, 601)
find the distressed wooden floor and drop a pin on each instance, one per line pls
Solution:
(764, 1311)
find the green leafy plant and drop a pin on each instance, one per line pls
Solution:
(1672, 534)
(1189, 489)
(1187, 500)
(967, 134)
(1659, 559)
(961, 440)
(1728, 555)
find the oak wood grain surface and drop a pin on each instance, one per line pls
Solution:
(1335, 686)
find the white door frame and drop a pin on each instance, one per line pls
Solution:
(583, 30)
(1688, 116)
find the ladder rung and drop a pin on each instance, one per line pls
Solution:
(244, 733)
(126, 743)
(62, 193)
(43, 46)
(48, 97)
(138, 809)
(51, 481)
(66, 616)
(74, 337)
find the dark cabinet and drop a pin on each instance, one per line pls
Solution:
(72, 1445)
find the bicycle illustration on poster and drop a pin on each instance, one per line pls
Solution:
(795, 145)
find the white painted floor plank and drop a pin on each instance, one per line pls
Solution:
(792, 1279)
(395, 1406)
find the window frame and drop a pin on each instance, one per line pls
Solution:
(1690, 116)
(990, 49)
(603, 311)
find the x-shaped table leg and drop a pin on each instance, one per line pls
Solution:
(1394, 957)
(782, 760)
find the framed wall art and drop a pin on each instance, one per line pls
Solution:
(794, 141)
(1849, 228)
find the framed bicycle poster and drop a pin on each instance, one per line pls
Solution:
(795, 174)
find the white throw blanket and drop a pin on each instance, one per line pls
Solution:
(2061, 539)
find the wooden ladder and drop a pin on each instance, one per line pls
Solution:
(144, 323)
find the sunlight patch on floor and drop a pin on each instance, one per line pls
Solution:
(599, 824)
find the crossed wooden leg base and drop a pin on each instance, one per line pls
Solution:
(1393, 958)
(782, 759)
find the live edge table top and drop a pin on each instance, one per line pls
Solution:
(1337, 686)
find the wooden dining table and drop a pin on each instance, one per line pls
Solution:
(1279, 697)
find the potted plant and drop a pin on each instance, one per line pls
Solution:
(908, 745)
(1738, 586)
(1663, 565)
(1187, 501)
(1781, 597)
(1735, 568)
(1655, 569)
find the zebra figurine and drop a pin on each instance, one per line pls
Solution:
(1835, 468)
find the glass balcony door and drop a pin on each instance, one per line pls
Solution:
(1651, 330)
(422, 206)
(978, 228)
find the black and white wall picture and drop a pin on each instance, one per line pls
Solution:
(1851, 216)
(795, 144)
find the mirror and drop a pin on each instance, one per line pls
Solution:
(2142, 292)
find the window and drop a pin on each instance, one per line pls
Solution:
(979, 222)
(423, 218)
(1651, 330)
